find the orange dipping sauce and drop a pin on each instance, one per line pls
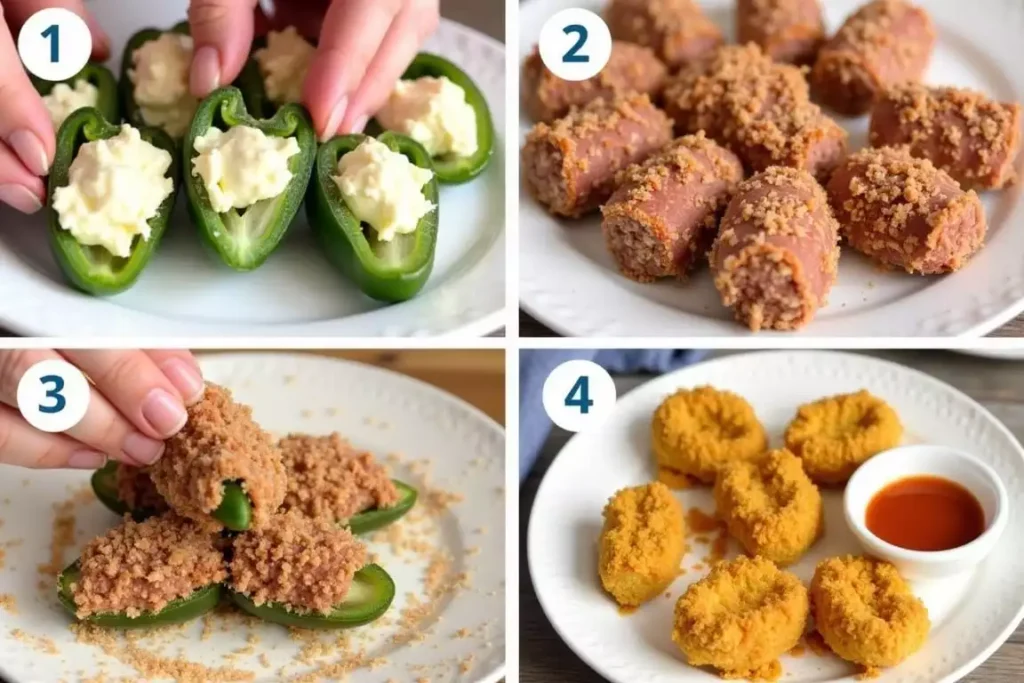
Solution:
(925, 513)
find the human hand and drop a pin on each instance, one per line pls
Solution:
(137, 400)
(364, 46)
(26, 132)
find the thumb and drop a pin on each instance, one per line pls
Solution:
(222, 31)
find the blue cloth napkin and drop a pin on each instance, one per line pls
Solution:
(536, 364)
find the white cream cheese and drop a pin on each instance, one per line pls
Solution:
(383, 188)
(114, 187)
(64, 100)
(283, 64)
(434, 113)
(242, 166)
(160, 80)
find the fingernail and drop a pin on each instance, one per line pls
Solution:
(30, 150)
(334, 120)
(205, 74)
(20, 198)
(185, 378)
(86, 460)
(359, 124)
(164, 412)
(142, 449)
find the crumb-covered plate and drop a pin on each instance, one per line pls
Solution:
(447, 556)
(971, 614)
(569, 281)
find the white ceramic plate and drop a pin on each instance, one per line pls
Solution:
(570, 282)
(187, 291)
(995, 354)
(971, 615)
(377, 409)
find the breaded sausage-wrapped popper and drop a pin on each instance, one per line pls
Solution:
(905, 212)
(884, 43)
(630, 68)
(221, 469)
(641, 543)
(971, 137)
(758, 108)
(787, 30)
(777, 250)
(677, 30)
(570, 165)
(664, 215)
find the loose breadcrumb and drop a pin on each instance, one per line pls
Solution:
(9, 603)
(220, 443)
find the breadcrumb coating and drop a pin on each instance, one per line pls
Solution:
(220, 443)
(329, 478)
(866, 612)
(787, 30)
(697, 431)
(741, 617)
(641, 544)
(136, 489)
(301, 563)
(833, 436)
(140, 567)
(770, 506)
(677, 30)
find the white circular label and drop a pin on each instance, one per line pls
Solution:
(53, 395)
(575, 44)
(578, 393)
(54, 44)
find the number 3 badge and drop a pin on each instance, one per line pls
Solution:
(53, 395)
(578, 393)
(575, 44)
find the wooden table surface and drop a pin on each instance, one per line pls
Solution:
(531, 327)
(997, 385)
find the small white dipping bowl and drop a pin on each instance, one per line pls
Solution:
(924, 460)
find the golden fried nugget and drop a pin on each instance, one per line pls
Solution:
(835, 435)
(741, 617)
(865, 611)
(770, 506)
(697, 431)
(641, 544)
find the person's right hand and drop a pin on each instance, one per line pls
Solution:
(27, 138)
(137, 399)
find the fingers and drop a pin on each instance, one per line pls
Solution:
(25, 125)
(136, 387)
(222, 31)
(18, 12)
(23, 445)
(181, 368)
(397, 50)
(102, 428)
(351, 35)
(19, 188)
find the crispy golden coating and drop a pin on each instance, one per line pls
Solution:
(220, 443)
(697, 431)
(741, 617)
(834, 435)
(301, 563)
(865, 611)
(142, 566)
(137, 490)
(641, 544)
(329, 478)
(770, 506)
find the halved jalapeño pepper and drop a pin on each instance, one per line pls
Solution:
(176, 612)
(369, 597)
(129, 106)
(234, 511)
(93, 269)
(97, 75)
(387, 271)
(243, 239)
(377, 518)
(252, 84)
(452, 169)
